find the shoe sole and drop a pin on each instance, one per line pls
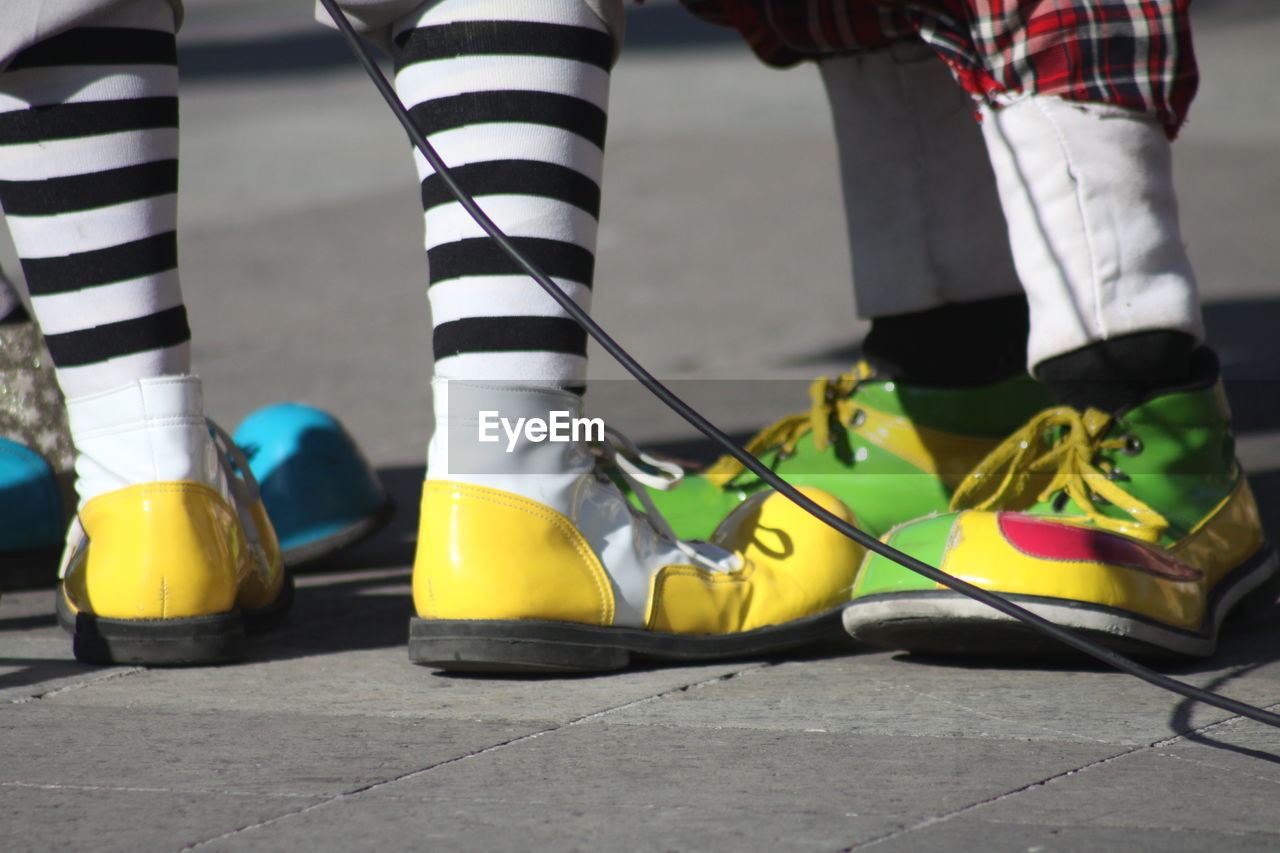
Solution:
(949, 624)
(536, 646)
(346, 537)
(188, 641)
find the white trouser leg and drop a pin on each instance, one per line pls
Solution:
(1088, 195)
(925, 227)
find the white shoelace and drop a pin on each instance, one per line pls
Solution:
(624, 455)
(244, 490)
(240, 479)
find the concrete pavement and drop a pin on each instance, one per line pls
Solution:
(722, 266)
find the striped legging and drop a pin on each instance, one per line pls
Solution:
(88, 182)
(512, 92)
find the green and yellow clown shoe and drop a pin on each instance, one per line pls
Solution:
(1138, 530)
(889, 451)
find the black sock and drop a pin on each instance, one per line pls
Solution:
(1119, 373)
(964, 344)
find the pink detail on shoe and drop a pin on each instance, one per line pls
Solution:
(1051, 540)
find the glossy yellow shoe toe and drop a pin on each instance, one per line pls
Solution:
(506, 584)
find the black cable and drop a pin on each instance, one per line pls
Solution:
(667, 396)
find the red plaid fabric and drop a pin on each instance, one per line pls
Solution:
(1131, 53)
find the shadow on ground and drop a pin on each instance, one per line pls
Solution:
(365, 611)
(1244, 335)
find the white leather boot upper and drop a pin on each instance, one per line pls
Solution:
(146, 431)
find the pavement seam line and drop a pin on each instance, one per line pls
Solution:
(135, 789)
(1232, 770)
(1226, 721)
(942, 818)
(87, 682)
(412, 774)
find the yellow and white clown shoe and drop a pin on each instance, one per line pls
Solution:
(171, 556)
(530, 559)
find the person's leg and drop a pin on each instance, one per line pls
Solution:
(943, 379)
(528, 556)
(1093, 221)
(1121, 512)
(90, 192)
(157, 561)
(519, 112)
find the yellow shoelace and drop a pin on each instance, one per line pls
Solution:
(829, 398)
(1059, 445)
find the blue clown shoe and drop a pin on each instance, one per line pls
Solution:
(317, 487)
(31, 518)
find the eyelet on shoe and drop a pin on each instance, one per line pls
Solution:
(1132, 445)
(1060, 500)
(858, 418)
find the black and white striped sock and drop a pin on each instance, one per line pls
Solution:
(88, 182)
(514, 95)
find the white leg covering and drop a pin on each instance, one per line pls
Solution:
(925, 226)
(1088, 194)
